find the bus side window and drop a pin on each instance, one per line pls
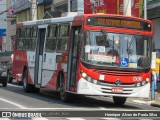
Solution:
(33, 38)
(18, 32)
(63, 37)
(51, 38)
(20, 44)
(20, 41)
(75, 42)
(27, 39)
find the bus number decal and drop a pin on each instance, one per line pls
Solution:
(60, 58)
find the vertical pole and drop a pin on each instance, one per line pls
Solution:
(153, 66)
(69, 6)
(34, 10)
(127, 7)
(153, 86)
(145, 9)
(92, 5)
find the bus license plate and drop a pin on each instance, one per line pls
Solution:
(117, 90)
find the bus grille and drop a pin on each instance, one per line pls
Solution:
(126, 85)
(109, 91)
(117, 73)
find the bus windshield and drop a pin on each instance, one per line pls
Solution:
(116, 49)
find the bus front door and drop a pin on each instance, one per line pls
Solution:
(72, 60)
(39, 55)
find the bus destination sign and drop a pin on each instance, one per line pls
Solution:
(119, 22)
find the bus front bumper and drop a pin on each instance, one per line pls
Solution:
(87, 88)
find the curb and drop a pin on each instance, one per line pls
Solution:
(149, 103)
(155, 104)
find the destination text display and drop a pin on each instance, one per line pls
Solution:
(119, 22)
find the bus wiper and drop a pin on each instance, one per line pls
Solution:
(107, 37)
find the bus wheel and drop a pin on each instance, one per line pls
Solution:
(35, 90)
(119, 100)
(19, 82)
(9, 79)
(64, 96)
(4, 83)
(26, 86)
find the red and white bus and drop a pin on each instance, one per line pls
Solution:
(89, 54)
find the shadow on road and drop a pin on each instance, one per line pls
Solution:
(51, 99)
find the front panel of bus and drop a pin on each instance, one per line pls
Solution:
(115, 57)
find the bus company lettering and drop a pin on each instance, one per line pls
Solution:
(44, 22)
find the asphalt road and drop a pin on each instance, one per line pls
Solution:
(13, 98)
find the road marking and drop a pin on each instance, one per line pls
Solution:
(13, 103)
(102, 108)
(142, 102)
(147, 119)
(4, 119)
(14, 85)
(71, 109)
(75, 118)
(108, 118)
(40, 119)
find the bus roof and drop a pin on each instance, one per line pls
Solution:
(45, 21)
(71, 18)
(68, 18)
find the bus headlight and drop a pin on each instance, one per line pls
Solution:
(144, 83)
(95, 81)
(89, 79)
(138, 84)
(148, 79)
(84, 75)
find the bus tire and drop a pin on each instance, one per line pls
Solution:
(35, 90)
(119, 100)
(26, 86)
(64, 96)
(4, 83)
(19, 82)
(9, 78)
